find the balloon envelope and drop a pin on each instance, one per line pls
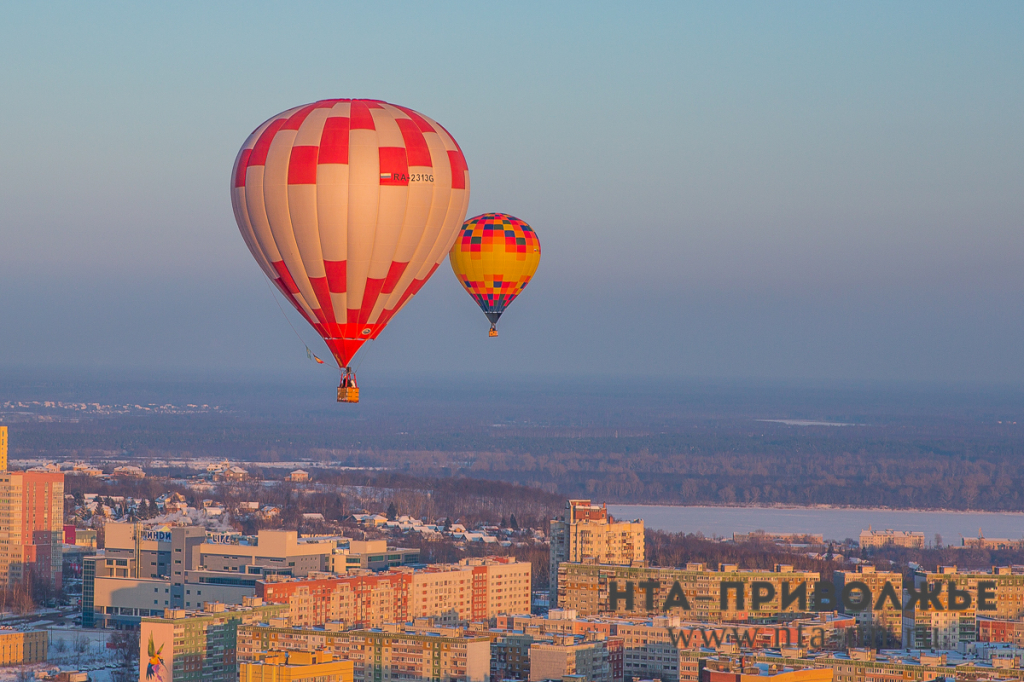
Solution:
(349, 206)
(494, 257)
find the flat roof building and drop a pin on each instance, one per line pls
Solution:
(884, 625)
(31, 526)
(197, 646)
(296, 666)
(374, 555)
(393, 652)
(472, 589)
(145, 570)
(928, 628)
(586, 589)
(587, 533)
(898, 538)
(570, 656)
(23, 646)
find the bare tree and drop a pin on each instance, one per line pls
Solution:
(125, 644)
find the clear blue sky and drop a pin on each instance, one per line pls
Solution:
(765, 190)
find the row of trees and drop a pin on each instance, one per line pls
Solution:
(895, 475)
(678, 549)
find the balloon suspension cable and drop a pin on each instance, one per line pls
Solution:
(362, 355)
(309, 354)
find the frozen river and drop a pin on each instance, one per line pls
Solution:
(834, 524)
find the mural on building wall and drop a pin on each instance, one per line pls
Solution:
(156, 664)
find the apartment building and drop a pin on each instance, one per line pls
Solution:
(649, 651)
(31, 525)
(510, 656)
(23, 646)
(889, 618)
(197, 646)
(571, 657)
(557, 622)
(731, 670)
(142, 571)
(664, 647)
(1000, 630)
(586, 533)
(296, 666)
(394, 652)
(586, 588)
(900, 538)
(472, 589)
(982, 542)
(871, 666)
(928, 628)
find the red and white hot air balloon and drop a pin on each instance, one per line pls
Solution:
(349, 206)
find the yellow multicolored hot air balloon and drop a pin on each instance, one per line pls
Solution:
(348, 206)
(494, 258)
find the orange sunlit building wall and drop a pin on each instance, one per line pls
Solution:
(42, 517)
(31, 526)
(474, 589)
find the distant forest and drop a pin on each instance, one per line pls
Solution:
(926, 463)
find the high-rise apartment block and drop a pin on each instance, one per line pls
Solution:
(473, 589)
(586, 533)
(31, 523)
(197, 646)
(885, 623)
(570, 657)
(510, 656)
(587, 590)
(998, 593)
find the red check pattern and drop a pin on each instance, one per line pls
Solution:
(349, 206)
